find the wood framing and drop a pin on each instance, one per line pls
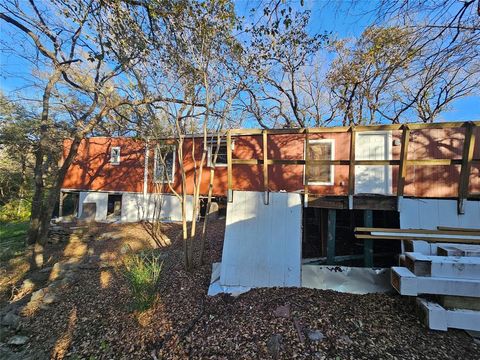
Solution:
(402, 171)
(229, 167)
(467, 157)
(265, 165)
(351, 169)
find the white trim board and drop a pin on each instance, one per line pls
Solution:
(406, 283)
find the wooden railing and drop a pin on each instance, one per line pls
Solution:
(403, 162)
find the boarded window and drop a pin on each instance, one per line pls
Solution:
(319, 174)
(164, 164)
(115, 155)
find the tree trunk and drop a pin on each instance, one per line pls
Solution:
(38, 195)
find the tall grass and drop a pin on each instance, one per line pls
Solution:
(142, 272)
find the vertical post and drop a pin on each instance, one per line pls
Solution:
(331, 237)
(229, 167)
(305, 189)
(351, 168)
(60, 205)
(467, 156)
(368, 244)
(265, 166)
(402, 170)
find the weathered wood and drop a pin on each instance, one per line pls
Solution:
(307, 162)
(402, 171)
(328, 202)
(443, 266)
(416, 231)
(351, 167)
(438, 318)
(386, 203)
(229, 167)
(458, 250)
(368, 244)
(467, 157)
(459, 302)
(265, 165)
(434, 240)
(331, 236)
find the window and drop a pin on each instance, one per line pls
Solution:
(164, 164)
(115, 155)
(222, 153)
(320, 150)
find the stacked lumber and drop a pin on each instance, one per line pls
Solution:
(442, 269)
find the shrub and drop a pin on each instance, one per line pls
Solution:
(15, 210)
(142, 272)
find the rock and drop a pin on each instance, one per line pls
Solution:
(345, 339)
(38, 295)
(11, 320)
(18, 340)
(274, 345)
(282, 311)
(315, 335)
(49, 299)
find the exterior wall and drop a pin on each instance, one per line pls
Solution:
(136, 207)
(93, 171)
(101, 201)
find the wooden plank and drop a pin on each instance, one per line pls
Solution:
(463, 267)
(406, 283)
(368, 244)
(331, 236)
(448, 228)
(438, 318)
(467, 157)
(265, 165)
(402, 171)
(229, 167)
(459, 302)
(434, 240)
(351, 168)
(328, 202)
(458, 250)
(307, 162)
(416, 231)
(385, 203)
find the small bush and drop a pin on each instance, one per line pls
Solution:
(142, 272)
(15, 210)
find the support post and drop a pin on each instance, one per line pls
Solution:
(368, 244)
(305, 203)
(331, 237)
(229, 167)
(351, 169)
(402, 171)
(467, 156)
(265, 166)
(60, 205)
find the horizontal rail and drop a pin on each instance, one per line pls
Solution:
(423, 162)
(360, 128)
(429, 239)
(457, 231)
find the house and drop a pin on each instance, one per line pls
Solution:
(294, 195)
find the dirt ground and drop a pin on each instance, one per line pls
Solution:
(85, 311)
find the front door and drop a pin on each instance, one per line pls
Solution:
(373, 179)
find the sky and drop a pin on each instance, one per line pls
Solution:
(337, 18)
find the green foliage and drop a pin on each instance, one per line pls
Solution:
(142, 272)
(15, 210)
(12, 239)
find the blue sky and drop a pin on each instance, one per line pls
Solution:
(335, 17)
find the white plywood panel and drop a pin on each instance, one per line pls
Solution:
(262, 245)
(430, 213)
(458, 267)
(99, 198)
(165, 207)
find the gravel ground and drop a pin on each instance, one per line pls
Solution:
(92, 317)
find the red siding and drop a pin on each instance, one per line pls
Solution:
(93, 171)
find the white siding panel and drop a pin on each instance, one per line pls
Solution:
(262, 245)
(99, 198)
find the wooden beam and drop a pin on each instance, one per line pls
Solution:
(402, 171)
(428, 239)
(351, 168)
(331, 236)
(467, 157)
(366, 202)
(265, 165)
(328, 202)
(307, 161)
(368, 244)
(416, 231)
(229, 167)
